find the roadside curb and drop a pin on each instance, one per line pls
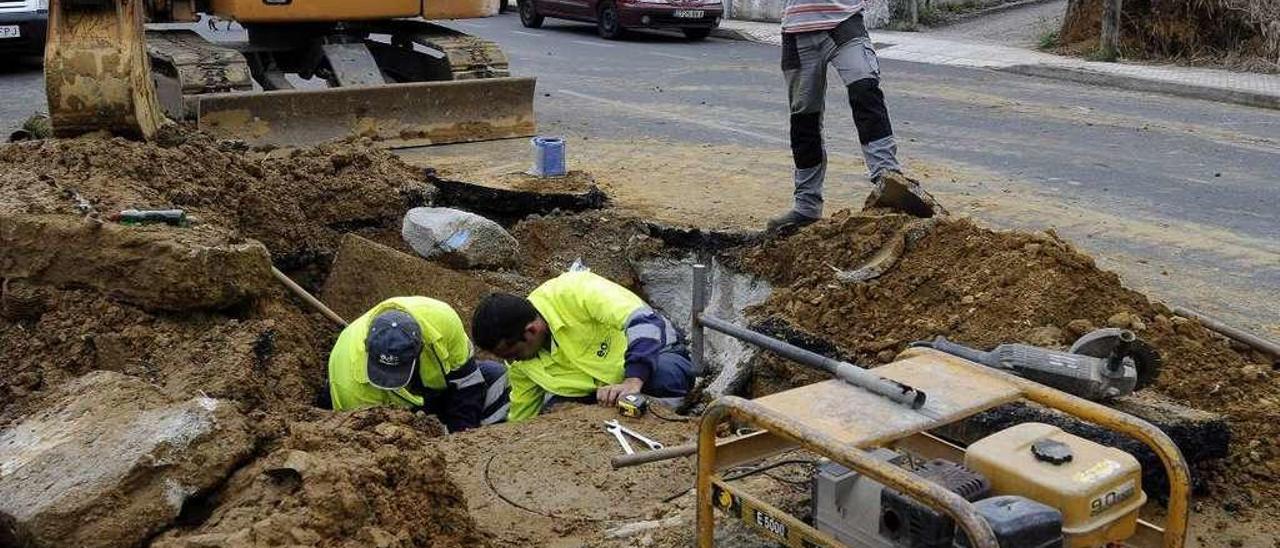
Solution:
(737, 34)
(966, 17)
(1133, 83)
(1084, 75)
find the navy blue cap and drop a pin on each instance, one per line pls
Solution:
(393, 346)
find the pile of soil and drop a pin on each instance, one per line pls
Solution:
(367, 478)
(602, 240)
(981, 288)
(298, 202)
(1243, 34)
(270, 355)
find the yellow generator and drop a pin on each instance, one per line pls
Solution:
(307, 71)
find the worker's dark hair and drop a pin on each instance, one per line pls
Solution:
(499, 318)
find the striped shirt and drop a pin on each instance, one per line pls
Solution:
(815, 15)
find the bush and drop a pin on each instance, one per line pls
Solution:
(1243, 33)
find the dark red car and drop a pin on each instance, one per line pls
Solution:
(695, 18)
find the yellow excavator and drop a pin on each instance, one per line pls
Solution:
(309, 71)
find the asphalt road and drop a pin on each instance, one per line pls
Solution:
(1178, 195)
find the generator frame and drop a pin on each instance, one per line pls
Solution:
(843, 422)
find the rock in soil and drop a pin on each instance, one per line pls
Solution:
(112, 460)
(458, 238)
(159, 268)
(365, 273)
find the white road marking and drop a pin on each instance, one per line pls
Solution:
(677, 117)
(674, 56)
(526, 33)
(586, 43)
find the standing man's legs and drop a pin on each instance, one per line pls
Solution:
(856, 62)
(804, 64)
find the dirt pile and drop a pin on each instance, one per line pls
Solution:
(980, 287)
(1244, 34)
(367, 478)
(298, 202)
(268, 355)
(602, 240)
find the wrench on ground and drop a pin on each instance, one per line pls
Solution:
(614, 428)
(653, 445)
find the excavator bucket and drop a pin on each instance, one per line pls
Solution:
(97, 74)
(394, 115)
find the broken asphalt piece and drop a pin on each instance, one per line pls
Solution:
(898, 192)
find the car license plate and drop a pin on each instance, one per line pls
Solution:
(10, 31)
(690, 14)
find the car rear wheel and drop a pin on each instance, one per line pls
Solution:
(607, 22)
(696, 34)
(529, 16)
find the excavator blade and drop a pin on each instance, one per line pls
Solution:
(97, 74)
(394, 115)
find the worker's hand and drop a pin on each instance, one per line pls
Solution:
(608, 395)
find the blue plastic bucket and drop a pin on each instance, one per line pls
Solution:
(548, 157)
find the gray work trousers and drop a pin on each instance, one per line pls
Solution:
(805, 59)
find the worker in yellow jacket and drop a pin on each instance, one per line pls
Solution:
(413, 352)
(581, 337)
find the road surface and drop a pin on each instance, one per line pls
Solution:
(1180, 196)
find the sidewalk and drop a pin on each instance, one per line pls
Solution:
(1259, 90)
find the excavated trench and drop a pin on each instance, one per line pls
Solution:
(193, 312)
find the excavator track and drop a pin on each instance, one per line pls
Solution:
(469, 57)
(197, 65)
(97, 75)
(184, 64)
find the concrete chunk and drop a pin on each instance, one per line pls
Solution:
(459, 239)
(111, 461)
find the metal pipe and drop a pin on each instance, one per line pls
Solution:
(1237, 334)
(306, 297)
(845, 371)
(646, 457)
(696, 344)
(704, 520)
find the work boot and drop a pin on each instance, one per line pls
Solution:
(789, 220)
(895, 191)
